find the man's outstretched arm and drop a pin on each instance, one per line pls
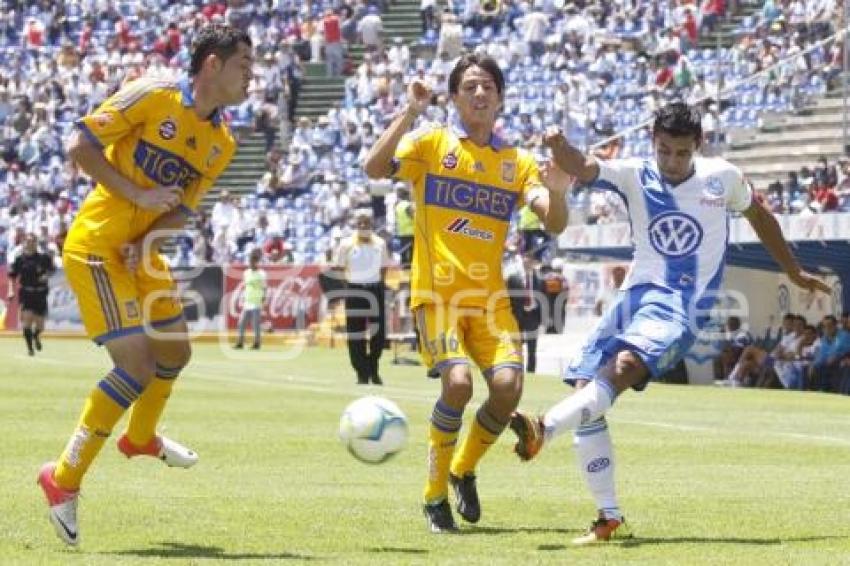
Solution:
(569, 159)
(770, 234)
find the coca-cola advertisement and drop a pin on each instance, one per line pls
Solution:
(292, 295)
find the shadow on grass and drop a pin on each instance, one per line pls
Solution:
(180, 550)
(474, 530)
(724, 540)
(634, 542)
(396, 550)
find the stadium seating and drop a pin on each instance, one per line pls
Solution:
(618, 87)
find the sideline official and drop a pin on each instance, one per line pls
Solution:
(363, 259)
(31, 269)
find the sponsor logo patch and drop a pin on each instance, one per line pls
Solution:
(675, 234)
(598, 464)
(450, 161)
(508, 171)
(162, 166)
(714, 187)
(168, 129)
(462, 226)
(468, 197)
(132, 308)
(215, 151)
(102, 120)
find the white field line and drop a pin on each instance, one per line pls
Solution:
(312, 385)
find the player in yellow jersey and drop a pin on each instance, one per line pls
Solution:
(466, 184)
(154, 148)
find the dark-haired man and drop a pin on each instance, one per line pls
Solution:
(678, 206)
(31, 269)
(154, 148)
(466, 185)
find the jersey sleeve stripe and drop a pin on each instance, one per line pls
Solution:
(133, 93)
(88, 133)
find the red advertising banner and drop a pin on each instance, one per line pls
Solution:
(292, 300)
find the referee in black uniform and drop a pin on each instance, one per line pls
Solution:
(363, 259)
(31, 269)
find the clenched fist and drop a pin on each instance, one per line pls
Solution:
(418, 96)
(553, 137)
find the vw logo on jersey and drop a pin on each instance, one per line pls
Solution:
(675, 234)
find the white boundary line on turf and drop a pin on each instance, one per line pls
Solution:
(303, 383)
(698, 428)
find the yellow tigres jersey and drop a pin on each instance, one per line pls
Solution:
(150, 133)
(464, 195)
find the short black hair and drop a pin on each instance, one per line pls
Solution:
(678, 119)
(221, 39)
(830, 317)
(486, 63)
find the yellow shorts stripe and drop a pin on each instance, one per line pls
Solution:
(105, 293)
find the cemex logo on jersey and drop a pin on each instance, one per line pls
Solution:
(675, 234)
(461, 226)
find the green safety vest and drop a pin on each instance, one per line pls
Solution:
(528, 220)
(403, 220)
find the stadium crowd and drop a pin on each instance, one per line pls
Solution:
(798, 355)
(594, 68)
(824, 187)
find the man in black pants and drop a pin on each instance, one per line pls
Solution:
(32, 270)
(527, 290)
(363, 258)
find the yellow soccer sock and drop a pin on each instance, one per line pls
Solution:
(104, 406)
(482, 435)
(442, 438)
(147, 411)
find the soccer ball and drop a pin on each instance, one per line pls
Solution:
(373, 429)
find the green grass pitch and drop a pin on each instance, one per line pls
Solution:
(706, 476)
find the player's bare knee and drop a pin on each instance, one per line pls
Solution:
(629, 370)
(457, 386)
(181, 354)
(506, 389)
(134, 355)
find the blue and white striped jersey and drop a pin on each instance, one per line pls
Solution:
(680, 232)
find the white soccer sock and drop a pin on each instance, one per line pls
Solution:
(582, 407)
(595, 457)
(734, 375)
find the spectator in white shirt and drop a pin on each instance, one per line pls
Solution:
(223, 212)
(371, 29)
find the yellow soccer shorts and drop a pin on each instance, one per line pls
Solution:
(114, 302)
(456, 335)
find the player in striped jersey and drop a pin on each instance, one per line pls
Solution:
(678, 207)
